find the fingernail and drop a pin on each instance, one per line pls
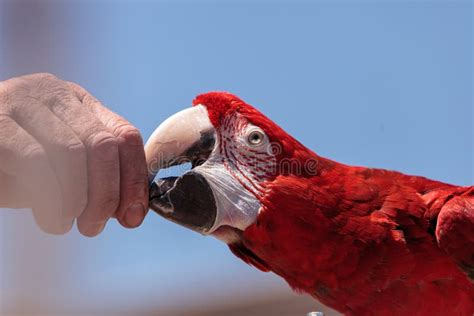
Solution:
(134, 214)
(67, 225)
(94, 229)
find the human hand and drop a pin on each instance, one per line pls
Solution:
(66, 156)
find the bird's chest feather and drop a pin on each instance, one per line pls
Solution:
(369, 253)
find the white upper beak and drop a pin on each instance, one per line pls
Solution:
(172, 140)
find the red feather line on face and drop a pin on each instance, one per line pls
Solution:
(233, 126)
(222, 104)
(363, 241)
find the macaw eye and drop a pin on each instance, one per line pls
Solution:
(255, 137)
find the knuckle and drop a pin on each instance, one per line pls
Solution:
(40, 76)
(58, 98)
(104, 145)
(33, 153)
(45, 85)
(6, 98)
(129, 135)
(88, 99)
(44, 76)
(45, 88)
(80, 92)
(76, 150)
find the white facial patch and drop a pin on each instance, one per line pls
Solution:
(237, 207)
(236, 171)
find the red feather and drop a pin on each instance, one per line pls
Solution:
(363, 241)
(362, 254)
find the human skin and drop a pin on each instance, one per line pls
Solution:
(68, 158)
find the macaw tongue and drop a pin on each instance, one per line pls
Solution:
(187, 200)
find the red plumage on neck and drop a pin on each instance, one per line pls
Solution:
(361, 241)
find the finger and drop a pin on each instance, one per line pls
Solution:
(133, 174)
(103, 164)
(21, 156)
(65, 151)
(13, 193)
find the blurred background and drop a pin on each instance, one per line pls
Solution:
(379, 83)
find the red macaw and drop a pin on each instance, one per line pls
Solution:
(362, 241)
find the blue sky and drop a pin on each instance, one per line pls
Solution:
(382, 84)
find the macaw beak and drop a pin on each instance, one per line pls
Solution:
(188, 200)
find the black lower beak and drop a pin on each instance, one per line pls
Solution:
(187, 200)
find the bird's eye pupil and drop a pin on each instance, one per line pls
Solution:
(255, 138)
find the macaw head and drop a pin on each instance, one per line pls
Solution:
(236, 153)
